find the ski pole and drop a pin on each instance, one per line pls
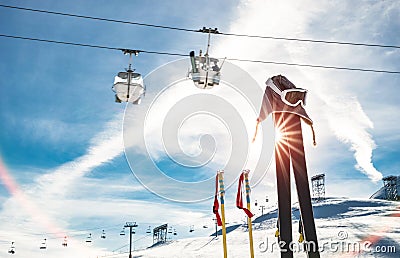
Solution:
(247, 184)
(222, 193)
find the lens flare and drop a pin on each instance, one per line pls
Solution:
(278, 135)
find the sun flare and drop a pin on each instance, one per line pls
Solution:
(278, 135)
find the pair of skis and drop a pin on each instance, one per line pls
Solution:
(290, 150)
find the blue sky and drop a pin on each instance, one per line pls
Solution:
(61, 131)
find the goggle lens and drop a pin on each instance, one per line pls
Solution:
(295, 97)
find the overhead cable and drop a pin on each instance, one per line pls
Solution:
(200, 30)
(185, 55)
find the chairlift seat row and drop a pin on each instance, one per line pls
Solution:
(191, 228)
(205, 71)
(43, 246)
(12, 249)
(89, 238)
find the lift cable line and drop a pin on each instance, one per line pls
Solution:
(185, 55)
(97, 18)
(199, 31)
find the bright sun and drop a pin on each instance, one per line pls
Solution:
(278, 135)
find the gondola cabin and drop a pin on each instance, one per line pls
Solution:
(128, 87)
(205, 72)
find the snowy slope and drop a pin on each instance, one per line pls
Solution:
(344, 226)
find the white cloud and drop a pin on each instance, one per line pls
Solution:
(330, 101)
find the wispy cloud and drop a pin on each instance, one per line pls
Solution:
(65, 196)
(351, 125)
(104, 147)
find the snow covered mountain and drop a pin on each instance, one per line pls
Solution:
(345, 227)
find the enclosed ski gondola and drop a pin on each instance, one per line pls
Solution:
(129, 86)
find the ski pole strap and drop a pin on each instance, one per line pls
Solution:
(313, 135)
(216, 204)
(255, 133)
(239, 199)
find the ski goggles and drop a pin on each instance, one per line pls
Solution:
(291, 97)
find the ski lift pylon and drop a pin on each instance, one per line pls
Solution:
(128, 85)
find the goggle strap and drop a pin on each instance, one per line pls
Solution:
(272, 85)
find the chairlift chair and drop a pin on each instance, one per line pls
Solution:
(148, 231)
(205, 72)
(103, 235)
(175, 232)
(170, 230)
(128, 86)
(191, 228)
(89, 238)
(12, 249)
(43, 245)
(122, 233)
(65, 242)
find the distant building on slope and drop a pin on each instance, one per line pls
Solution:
(390, 190)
